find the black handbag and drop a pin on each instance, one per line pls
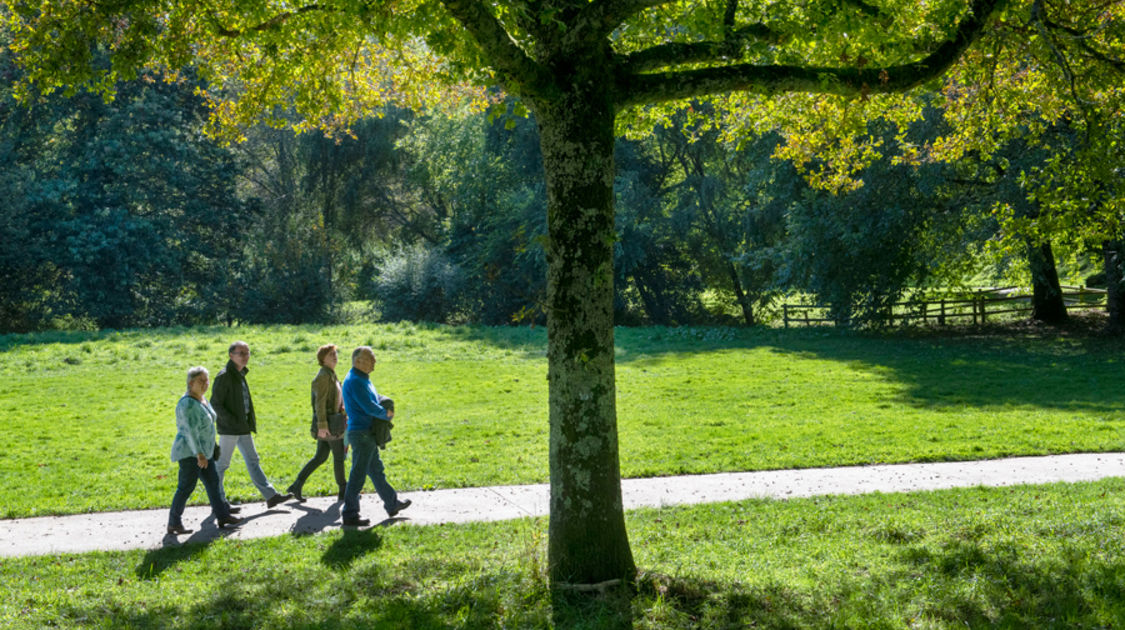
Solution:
(337, 424)
(216, 453)
(381, 429)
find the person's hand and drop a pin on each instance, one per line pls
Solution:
(201, 459)
(390, 414)
(323, 434)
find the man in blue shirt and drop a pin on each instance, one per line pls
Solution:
(361, 402)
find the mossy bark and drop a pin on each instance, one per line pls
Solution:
(587, 541)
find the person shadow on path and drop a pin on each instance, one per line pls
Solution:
(353, 544)
(314, 520)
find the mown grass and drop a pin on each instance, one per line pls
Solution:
(1018, 557)
(89, 416)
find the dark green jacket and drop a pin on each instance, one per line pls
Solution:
(226, 398)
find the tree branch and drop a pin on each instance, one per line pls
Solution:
(269, 24)
(728, 18)
(866, 9)
(665, 86)
(501, 52)
(1080, 38)
(602, 17)
(680, 53)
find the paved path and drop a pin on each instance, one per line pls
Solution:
(145, 529)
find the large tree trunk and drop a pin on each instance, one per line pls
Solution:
(1046, 294)
(587, 539)
(1114, 285)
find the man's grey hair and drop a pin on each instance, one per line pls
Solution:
(362, 350)
(193, 373)
(237, 344)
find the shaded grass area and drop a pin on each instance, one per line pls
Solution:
(89, 416)
(1019, 557)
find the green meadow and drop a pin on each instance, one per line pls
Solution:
(89, 416)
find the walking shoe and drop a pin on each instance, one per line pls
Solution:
(278, 499)
(402, 505)
(356, 522)
(296, 492)
(223, 521)
(235, 509)
(176, 530)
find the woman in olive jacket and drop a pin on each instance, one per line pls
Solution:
(326, 402)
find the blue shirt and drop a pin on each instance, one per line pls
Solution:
(361, 402)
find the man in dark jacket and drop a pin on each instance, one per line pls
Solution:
(230, 397)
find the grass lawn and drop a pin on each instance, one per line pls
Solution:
(1047, 556)
(89, 416)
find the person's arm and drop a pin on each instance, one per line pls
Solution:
(363, 396)
(220, 394)
(189, 422)
(323, 386)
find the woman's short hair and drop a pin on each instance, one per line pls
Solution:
(323, 352)
(193, 373)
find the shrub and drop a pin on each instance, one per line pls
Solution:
(418, 283)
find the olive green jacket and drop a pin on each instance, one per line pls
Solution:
(326, 399)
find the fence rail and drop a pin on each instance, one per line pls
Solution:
(978, 307)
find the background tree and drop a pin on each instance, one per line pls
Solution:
(330, 199)
(124, 213)
(480, 174)
(738, 197)
(1047, 79)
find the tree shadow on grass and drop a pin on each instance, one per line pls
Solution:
(950, 583)
(959, 585)
(611, 609)
(130, 335)
(983, 371)
(989, 368)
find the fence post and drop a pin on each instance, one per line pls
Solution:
(941, 318)
(785, 314)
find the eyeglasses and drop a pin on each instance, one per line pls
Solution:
(243, 352)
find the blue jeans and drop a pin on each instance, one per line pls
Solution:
(366, 463)
(190, 473)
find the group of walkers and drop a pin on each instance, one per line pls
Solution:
(345, 414)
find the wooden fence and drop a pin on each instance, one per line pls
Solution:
(977, 307)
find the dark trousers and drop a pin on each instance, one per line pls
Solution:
(190, 474)
(323, 447)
